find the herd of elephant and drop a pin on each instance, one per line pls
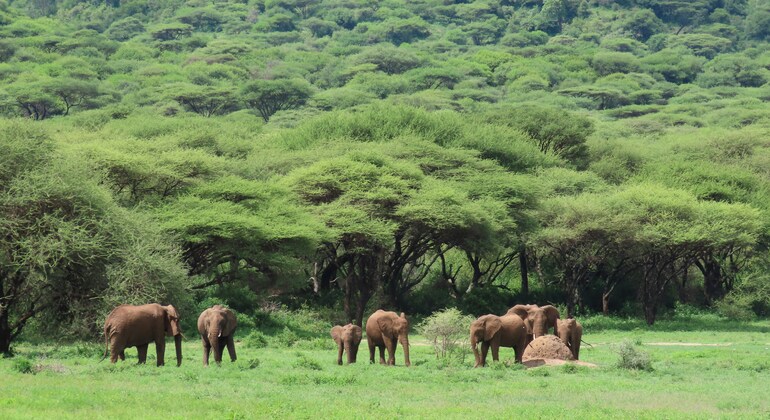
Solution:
(138, 326)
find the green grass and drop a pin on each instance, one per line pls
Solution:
(303, 381)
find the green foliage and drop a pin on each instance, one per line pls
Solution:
(447, 330)
(23, 365)
(631, 358)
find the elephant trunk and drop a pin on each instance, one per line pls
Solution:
(404, 340)
(474, 346)
(178, 344)
(214, 339)
(349, 350)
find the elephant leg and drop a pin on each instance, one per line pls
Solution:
(390, 344)
(160, 350)
(340, 349)
(142, 350)
(371, 351)
(122, 355)
(484, 350)
(382, 353)
(206, 351)
(231, 348)
(495, 351)
(115, 352)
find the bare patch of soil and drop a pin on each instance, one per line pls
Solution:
(547, 347)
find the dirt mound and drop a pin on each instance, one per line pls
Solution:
(547, 347)
(555, 362)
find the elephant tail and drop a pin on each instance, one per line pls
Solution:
(584, 342)
(106, 342)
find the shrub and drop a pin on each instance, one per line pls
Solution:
(286, 338)
(304, 362)
(255, 340)
(632, 358)
(252, 363)
(448, 331)
(23, 365)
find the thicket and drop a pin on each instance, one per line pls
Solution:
(355, 154)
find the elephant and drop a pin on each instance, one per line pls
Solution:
(216, 326)
(129, 326)
(570, 332)
(495, 331)
(348, 338)
(385, 330)
(538, 319)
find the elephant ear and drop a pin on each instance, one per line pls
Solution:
(387, 327)
(552, 314)
(491, 327)
(171, 321)
(521, 310)
(335, 332)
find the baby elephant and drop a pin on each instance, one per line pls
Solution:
(347, 338)
(216, 326)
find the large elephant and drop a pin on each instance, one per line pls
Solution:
(138, 326)
(385, 330)
(570, 332)
(495, 331)
(348, 338)
(216, 326)
(538, 319)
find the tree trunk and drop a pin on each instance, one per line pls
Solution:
(5, 335)
(605, 303)
(524, 273)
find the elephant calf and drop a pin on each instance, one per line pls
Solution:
(348, 338)
(216, 326)
(570, 332)
(385, 329)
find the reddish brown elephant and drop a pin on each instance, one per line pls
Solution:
(570, 331)
(540, 320)
(496, 331)
(348, 338)
(386, 330)
(138, 326)
(216, 325)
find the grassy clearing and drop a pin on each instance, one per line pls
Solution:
(303, 381)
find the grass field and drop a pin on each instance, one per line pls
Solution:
(715, 370)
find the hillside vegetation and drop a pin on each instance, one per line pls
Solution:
(605, 156)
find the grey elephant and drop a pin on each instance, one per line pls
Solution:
(386, 330)
(570, 331)
(348, 338)
(216, 325)
(496, 331)
(138, 326)
(538, 319)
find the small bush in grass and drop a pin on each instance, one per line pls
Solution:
(23, 365)
(304, 362)
(448, 330)
(255, 340)
(316, 344)
(633, 358)
(286, 338)
(252, 363)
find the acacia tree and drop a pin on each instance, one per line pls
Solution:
(64, 240)
(270, 96)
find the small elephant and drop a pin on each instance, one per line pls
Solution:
(138, 326)
(570, 332)
(495, 331)
(386, 330)
(216, 326)
(538, 319)
(348, 338)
